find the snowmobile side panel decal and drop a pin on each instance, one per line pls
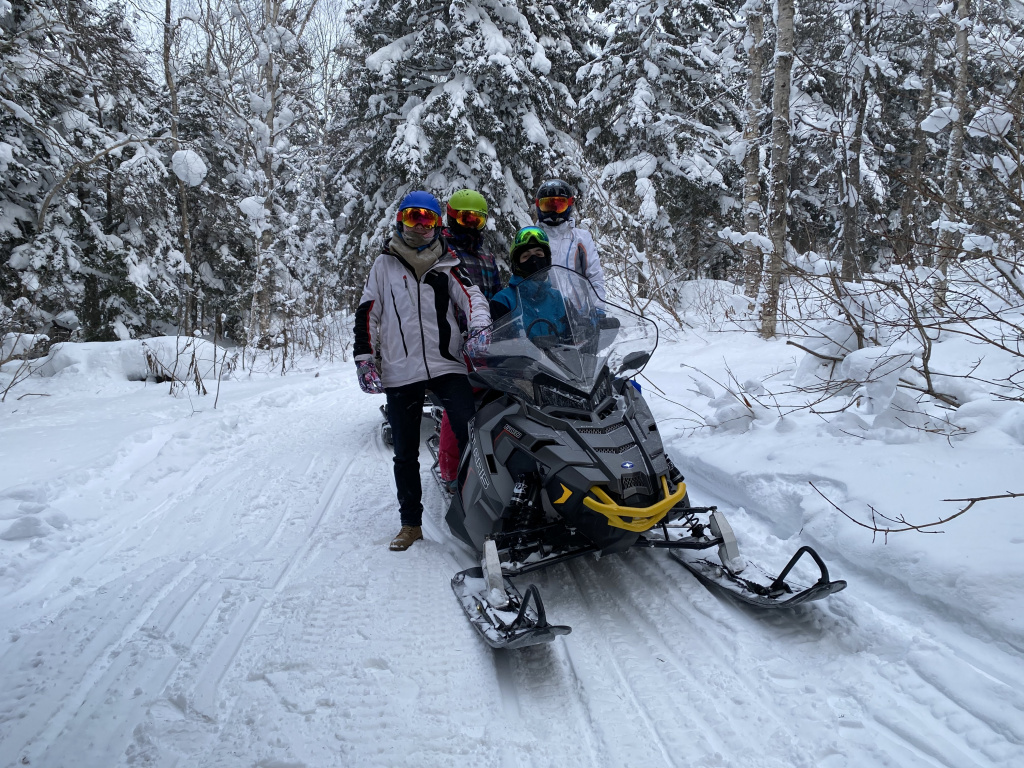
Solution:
(565, 496)
(643, 518)
(478, 464)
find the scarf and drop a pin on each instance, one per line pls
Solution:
(420, 259)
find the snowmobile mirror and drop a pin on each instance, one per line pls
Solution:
(634, 360)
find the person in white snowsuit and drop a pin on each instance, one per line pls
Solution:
(572, 247)
(408, 318)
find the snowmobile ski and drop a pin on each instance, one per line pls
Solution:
(778, 593)
(521, 622)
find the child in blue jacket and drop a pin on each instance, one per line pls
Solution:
(544, 308)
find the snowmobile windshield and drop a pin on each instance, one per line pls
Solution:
(560, 328)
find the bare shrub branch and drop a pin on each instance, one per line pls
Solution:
(900, 522)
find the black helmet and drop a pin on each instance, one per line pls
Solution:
(554, 201)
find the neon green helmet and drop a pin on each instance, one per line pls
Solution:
(468, 200)
(468, 209)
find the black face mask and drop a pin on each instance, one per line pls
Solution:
(531, 265)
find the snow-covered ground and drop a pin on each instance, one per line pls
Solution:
(189, 586)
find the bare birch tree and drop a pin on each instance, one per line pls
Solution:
(778, 185)
(949, 235)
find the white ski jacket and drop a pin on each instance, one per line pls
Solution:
(411, 325)
(575, 249)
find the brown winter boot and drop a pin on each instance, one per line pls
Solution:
(405, 538)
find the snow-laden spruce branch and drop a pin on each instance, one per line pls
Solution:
(82, 164)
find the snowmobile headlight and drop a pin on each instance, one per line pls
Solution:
(562, 398)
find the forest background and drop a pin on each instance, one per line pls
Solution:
(229, 168)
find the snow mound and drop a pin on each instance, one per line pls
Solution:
(710, 301)
(1005, 416)
(185, 359)
(13, 344)
(27, 527)
(106, 359)
(163, 358)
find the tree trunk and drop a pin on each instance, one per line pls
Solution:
(852, 145)
(909, 239)
(779, 179)
(753, 255)
(188, 310)
(263, 285)
(948, 241)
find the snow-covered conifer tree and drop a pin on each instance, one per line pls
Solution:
(85, 210)
(450, 96)
(658, 114)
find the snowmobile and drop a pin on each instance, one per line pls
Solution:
(565, 460)
(433, 412)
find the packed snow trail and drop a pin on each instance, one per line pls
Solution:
(225, 597)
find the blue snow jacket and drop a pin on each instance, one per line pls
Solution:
(543, 310)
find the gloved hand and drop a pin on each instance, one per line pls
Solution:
(478, 342)
(369, 379)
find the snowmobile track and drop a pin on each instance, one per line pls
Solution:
(198, 613)
(647, 671)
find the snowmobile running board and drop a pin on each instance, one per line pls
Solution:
(777, 594)
(520, 623)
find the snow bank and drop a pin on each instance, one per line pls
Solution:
(185, 359)
(757, 423)
(707, 303)
(163, 358)
(119, 360)
(19, 343)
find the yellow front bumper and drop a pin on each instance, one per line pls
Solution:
(636, 519)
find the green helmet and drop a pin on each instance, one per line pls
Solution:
(468, 200)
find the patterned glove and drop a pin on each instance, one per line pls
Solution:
(478, 341)
(369, 379)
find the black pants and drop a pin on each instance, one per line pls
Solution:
(405, 410)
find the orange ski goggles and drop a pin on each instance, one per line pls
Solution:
(412, 217)
(555, 204)
(467, 219)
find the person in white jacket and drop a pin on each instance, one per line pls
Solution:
(571, 246)
(407, 319)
